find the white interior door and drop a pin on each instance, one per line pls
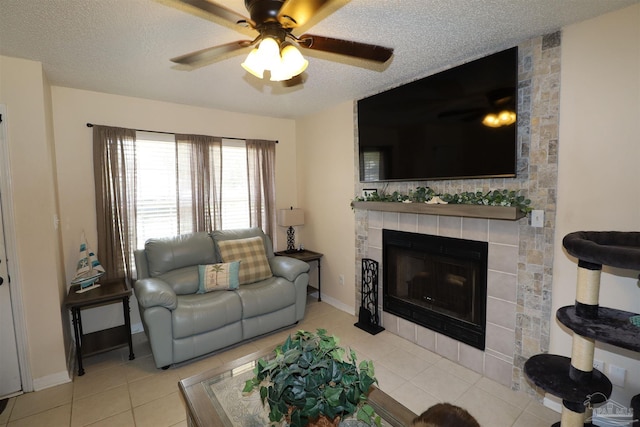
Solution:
(10, 380)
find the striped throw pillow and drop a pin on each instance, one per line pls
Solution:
(254, 265)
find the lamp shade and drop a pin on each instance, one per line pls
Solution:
(290, 217)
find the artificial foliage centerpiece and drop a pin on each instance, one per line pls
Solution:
(309, 381)
(428, 195)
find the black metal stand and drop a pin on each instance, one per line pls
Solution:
(368, 317)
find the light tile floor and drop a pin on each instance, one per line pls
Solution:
(118, 392)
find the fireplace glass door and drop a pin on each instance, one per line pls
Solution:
(437, 282)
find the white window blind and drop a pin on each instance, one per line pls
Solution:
(235, 186)
(156, 189)
(372, 164)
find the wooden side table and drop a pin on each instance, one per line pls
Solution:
(107, 339)
(306, 256)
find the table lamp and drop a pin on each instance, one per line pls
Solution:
(290, 218)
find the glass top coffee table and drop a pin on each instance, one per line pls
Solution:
(215, 398)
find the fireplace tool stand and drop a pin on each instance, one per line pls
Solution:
(368, 316)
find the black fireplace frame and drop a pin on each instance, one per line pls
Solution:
(473, 334)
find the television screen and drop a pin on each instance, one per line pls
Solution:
(457, 124)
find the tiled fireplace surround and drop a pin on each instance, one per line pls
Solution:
(520, 256)
(496, 362)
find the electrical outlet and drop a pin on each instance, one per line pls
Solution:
(616, 375)
(599, 365)
(537, 218)
(341, 279)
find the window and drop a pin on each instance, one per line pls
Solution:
(234, 196)
(372, 165)
(164, 191)
(159, 185)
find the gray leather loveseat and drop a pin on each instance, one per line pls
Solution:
(183, 321)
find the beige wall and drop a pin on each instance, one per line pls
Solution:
(25, 91)
(599, 171)
(74, 108)
(326, 183)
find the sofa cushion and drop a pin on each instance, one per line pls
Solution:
(266, 296)
(171, 253)
(254, 265)
(218, 277)
(244, 233)
(199, 313)
(183, 280)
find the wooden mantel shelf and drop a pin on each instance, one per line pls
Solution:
(508, 213)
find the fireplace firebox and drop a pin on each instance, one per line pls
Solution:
(437, 282)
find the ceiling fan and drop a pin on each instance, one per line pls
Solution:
(276, 45)
(497, 108)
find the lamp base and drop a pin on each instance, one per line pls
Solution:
(291, 240)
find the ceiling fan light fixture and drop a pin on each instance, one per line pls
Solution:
(265, 57)
(503, 118)
(292, 63)
(293, 60)
(253, 64)
(284, 61)
(269, 51)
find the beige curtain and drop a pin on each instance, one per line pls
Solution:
(261, 167)
(199, 169)
(115, 185)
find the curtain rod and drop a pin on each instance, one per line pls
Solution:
(90, 125)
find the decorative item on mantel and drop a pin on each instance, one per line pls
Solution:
(511, 198)
(368, 316)
(88, 269)
(291, 218)
(507, 205)
(309, 382)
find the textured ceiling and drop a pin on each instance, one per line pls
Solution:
(123, 46)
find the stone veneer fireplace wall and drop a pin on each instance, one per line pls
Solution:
(520, 256)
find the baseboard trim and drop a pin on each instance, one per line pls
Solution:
(552, 404)
(52, 380)
(336, 303)
(136, 328)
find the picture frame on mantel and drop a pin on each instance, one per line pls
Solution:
(366, 192)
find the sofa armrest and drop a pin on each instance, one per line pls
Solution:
(152, 292)
(289, 268)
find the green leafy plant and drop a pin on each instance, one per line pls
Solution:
(309, 377)
(424, 194)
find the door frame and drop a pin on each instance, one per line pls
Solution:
(12, 255)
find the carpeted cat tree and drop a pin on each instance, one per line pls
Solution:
(574, 379)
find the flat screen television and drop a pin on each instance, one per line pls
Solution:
(432, 128)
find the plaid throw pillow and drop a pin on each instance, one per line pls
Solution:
(218, 277)
(254, 265)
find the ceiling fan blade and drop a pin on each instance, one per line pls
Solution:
(346, 47)
(219, 11)
(210, 54)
